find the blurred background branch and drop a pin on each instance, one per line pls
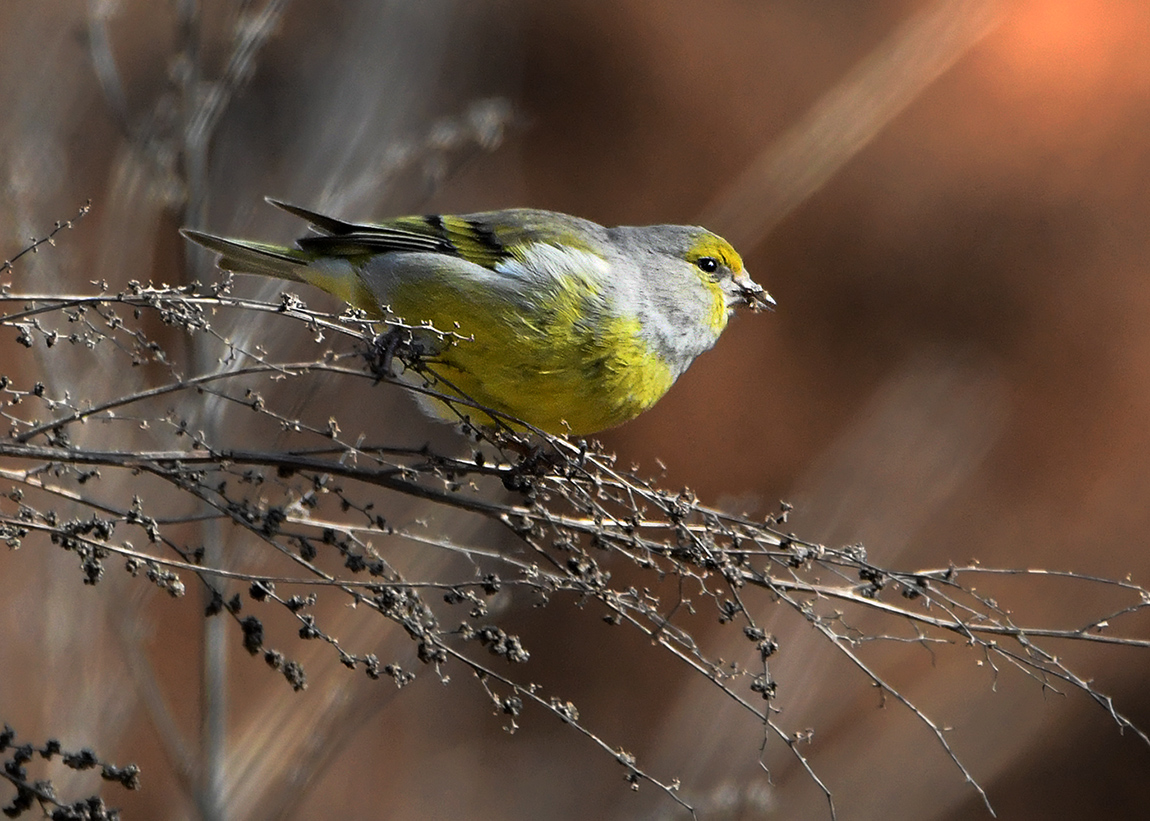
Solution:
(851, 114)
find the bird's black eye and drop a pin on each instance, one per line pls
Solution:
(707, 265)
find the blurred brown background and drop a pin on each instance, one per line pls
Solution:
(949, 201)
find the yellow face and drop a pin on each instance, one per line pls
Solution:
(710, 246)
(717, 261)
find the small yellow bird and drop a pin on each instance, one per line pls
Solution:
(571, 327)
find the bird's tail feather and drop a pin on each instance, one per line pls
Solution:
(245, 257)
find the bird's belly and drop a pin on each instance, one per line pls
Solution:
(561, 361)
(561, 378)
(587, 390)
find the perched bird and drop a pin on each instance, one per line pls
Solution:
(570, 326)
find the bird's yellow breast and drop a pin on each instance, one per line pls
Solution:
(559, 359)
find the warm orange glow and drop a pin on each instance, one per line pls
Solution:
(1074, 47)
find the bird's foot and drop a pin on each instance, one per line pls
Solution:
(396, 344)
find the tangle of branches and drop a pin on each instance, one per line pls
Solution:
(125, 480)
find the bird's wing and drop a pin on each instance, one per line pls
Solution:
(486, 239)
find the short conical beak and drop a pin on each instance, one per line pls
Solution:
(754, 297)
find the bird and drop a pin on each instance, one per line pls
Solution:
(553, 320)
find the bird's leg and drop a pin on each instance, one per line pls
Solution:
(384, 349)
